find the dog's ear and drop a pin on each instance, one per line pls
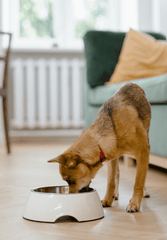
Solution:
(59, 159)
(72, 160)
(72, 163)
(69, 160)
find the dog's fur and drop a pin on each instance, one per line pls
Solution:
(121, 127)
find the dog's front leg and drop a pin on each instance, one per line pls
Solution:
(142, 165)
(108, 199)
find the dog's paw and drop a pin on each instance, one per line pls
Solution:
(132, 207)
(107, 202)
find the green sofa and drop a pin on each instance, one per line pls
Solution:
(102, 49)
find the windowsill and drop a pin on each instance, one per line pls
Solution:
(46, 46)
(47, 50)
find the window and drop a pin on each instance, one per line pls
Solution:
(36, 17)
(62, 23)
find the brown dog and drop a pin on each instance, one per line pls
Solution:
(121, 127)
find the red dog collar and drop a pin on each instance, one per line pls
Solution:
(102, 157)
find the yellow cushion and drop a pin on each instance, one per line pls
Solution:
(141, 56)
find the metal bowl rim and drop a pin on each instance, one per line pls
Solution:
(33, 191)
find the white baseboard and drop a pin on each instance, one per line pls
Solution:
(39, 136)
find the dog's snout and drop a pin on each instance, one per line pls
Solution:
(70, 182)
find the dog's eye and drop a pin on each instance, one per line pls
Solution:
(70, 182)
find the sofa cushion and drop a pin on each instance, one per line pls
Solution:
(142, 56)
(155, 89)
(102, 49)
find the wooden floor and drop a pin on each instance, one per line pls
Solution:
(27, 168)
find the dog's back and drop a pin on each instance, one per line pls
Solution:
(132, 94)
(128, 100)
(127, 115)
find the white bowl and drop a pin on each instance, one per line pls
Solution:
(48, 204)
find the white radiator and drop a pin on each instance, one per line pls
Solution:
(47, 93)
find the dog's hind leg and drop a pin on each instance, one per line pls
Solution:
(108, 199)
